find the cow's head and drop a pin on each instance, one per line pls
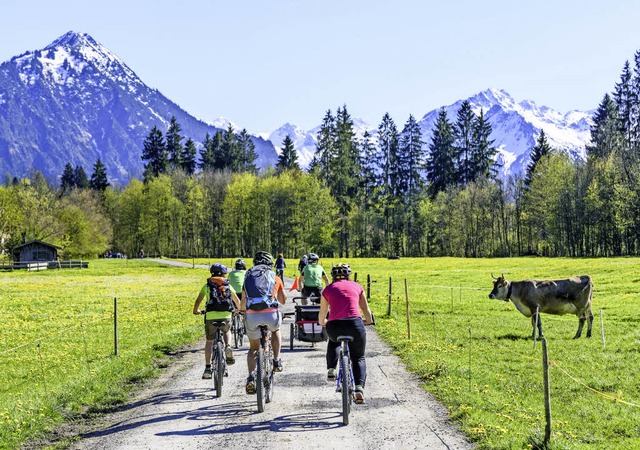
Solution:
(500, 288)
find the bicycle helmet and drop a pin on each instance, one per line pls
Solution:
(313, 257)
(263, 258)
(340, 271)
(218, 269)
(240, 264)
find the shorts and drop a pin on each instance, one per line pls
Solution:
(311, 291)
(253, 320)
(211, 325)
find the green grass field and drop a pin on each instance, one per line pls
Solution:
(57, 338)
(472, 353)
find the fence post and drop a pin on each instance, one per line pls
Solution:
(604, 342)
(390, 296)
(115, 326)
(406, 295)
(44, 376)
(547, 398)
(368, 287)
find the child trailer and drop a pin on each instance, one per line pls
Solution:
(305, 328)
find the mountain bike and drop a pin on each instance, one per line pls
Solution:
(218, 360)
(264, 369)
(237, 328)
(345, 382)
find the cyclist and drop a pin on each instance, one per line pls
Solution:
(343, 299)
(311, 279)
(236, 277)
(221, 299)
(281, 264)
(260, 297)
(302, 263)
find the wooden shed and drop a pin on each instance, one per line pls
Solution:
(35, 251)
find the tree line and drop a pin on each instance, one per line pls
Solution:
(387, 193)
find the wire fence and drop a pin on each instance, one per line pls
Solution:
(54, 362)
(443, 314)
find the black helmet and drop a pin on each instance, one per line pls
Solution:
(313, 257)
(340, 271)
(240, 264)
(218, 269)
(263, 258)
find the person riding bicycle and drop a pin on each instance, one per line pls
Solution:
(221, 300)
(236, 277)
(302, 263)
(342, 300)
(260, 297)
(281, 264)
(311, 279)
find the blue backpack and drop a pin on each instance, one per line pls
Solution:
(259, 286)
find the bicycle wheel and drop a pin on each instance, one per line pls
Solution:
(237, 339)
(260, 377)
(345, 376)
(219, 368)
(291, 336)
(269, 379)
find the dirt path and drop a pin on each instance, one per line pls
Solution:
(180, 410)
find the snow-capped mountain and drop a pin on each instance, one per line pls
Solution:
(74, 101)
(305, 141)
(516, 127)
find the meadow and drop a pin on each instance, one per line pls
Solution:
(473, 353)
(57, 341)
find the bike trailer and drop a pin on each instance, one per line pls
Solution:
(307, 328)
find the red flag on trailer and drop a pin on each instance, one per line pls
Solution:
(295, 284)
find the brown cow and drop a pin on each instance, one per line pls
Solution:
(566, 296)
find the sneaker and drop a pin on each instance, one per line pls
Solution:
(228, 353)
(277, 365)
(251, 385)
(207, 373)
(359, 393)
(332, 375)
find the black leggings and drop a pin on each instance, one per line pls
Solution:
(348, 327)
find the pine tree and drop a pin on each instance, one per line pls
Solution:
(482, 151)
(325, 148)
(207, 154)
(155, 154)
(174, 143)
(67, 181)
(81, 181)
(388, 154)
(247, 152)
(605, 133)
(624, 99)
(188, 157)
(463, 146)
(220, 161)
(440, 166)
(231, 150)
(541, 149)
(288, 158)
(99, 181)
(411, 159)
(344, 172)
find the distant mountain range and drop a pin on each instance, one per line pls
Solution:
(516, 127)
(75, 101)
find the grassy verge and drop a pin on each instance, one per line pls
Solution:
(57, 340)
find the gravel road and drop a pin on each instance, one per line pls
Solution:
(179, 410)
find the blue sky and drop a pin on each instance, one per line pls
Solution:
(263, 63)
